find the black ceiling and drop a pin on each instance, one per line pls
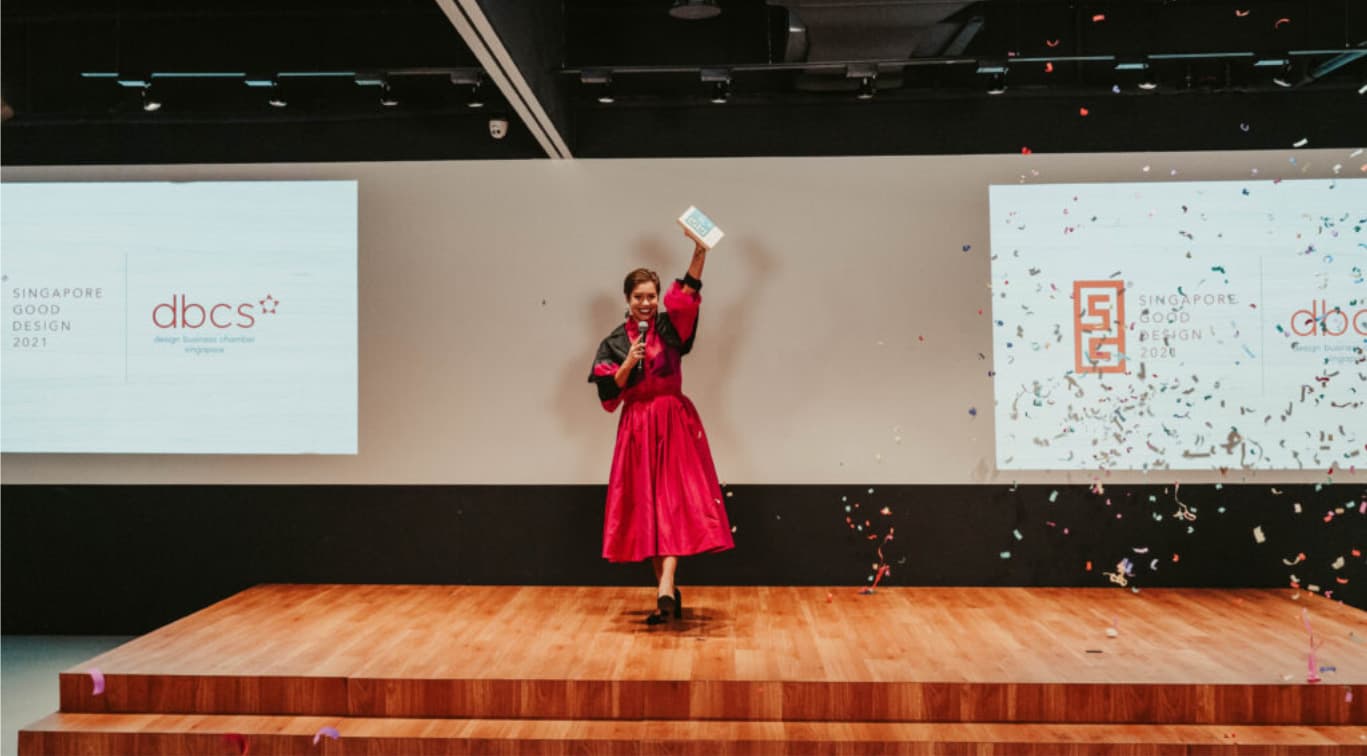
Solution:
(1216, 75)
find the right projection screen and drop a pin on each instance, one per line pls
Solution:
(1180, 325)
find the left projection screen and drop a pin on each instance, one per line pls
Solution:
(179, 318)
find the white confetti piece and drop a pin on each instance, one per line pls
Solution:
(1258, 534)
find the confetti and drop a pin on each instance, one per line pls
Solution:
(1241, 13)
(1281, 21)
(97, 680)
(1005, 555)
(1258, 534)
(1025, 150)
(1017, 534)
(1312, 676)
(968, 247)
(1098, 18)
(1082, 112)
(331, 732)
(239, 741)
(973, 411)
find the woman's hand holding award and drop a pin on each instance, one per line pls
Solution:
(700, 228)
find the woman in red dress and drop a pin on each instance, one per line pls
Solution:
(663, 501)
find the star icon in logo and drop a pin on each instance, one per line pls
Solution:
(269, 304)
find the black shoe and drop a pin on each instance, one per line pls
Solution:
(678, 604)
(666, 609)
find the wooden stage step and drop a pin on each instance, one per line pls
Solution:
(1042, 655)
(61, 734)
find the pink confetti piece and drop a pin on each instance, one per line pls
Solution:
(238, 740)
(331, 732)
(1281, 21)
(96, 677)
(1241, 13)
(1083, 112)
(1313, 675)
(1025, 150)
(1049, 67)
(1051, 42)
(1098, 18)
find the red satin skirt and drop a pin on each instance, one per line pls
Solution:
(663, 494)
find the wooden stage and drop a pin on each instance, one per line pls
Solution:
(401, 669)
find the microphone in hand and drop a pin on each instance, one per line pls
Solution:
(644, 329)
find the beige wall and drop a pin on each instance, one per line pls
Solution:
(485, 287)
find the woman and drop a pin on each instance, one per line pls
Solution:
(664, 501)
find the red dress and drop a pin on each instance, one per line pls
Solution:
(663, 496)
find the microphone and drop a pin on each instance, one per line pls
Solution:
(644, 330)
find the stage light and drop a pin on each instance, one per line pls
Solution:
(387, 97)
(601, 78)
(1148, 82)
(720, 79)
(472, 80)
(150, 103)
(997, 85)
(274, 97)
(695, 10)
(1284, 76)
(866, 90)
(1131, 64)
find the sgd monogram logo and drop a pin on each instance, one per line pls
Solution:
(1099, 326)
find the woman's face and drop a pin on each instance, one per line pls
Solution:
(642, 302)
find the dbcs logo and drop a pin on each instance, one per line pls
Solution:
(181, 313)
(1099, 326)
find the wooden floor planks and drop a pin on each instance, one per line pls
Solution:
(102, 733)
(575, 668)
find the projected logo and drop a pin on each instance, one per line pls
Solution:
(1099, 326)
(180, 312)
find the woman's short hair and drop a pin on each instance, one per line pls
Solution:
(639, 276)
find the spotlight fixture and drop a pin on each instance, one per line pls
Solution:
(150, 103)
(998, 84)
(472, 80)
(387, 97)
(1284, 77)
(277, 99)
(866, 88)
(720, 79)
(603, 79)
(274, 97)
(695, 10)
